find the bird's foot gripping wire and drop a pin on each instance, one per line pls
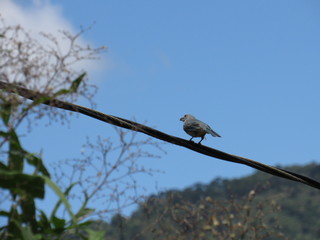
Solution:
(200, 141)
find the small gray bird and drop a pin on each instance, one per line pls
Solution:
(196, 128)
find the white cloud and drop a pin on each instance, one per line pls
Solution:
(42, 16)
(39, 16)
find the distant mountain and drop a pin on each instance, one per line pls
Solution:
(259, 206)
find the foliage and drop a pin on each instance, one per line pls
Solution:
(173, 217)
(23, 189)
(48, 70)
(23, 175)
(223, 209)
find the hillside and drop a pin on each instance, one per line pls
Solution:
(258, 206)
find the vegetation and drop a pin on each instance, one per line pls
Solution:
(49, 69)
(258, 206)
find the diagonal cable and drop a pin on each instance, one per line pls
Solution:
(124, 123)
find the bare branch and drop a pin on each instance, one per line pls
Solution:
(106, 172)
(44, 63)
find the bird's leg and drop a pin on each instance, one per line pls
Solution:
(191, 139)
(201, 140)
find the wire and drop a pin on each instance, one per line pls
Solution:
(124, 123)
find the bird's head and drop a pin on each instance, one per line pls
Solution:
(187, 117)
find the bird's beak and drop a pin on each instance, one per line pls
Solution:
(182, 119)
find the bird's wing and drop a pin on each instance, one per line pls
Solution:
(192, 125)
(194, 128)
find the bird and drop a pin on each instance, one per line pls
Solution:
(196, 128)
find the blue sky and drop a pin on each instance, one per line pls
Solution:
(250, 69)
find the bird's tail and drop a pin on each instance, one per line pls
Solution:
(213, 133)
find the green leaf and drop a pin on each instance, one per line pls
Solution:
(62, 197)
(5, 112)
(24, 233)
(42, 99)
(29, 211)
(16, 152)
(12, 228)
(58, 223)
(3, 166)
(75, 84)
(22, 183)
(36, 102)
(83, 210)
(37, 162)
(4, 134)
(95, 235)
(85, 224)
(44, 223)
(4, 213)
(73, 88)
(66, 193)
